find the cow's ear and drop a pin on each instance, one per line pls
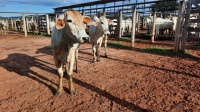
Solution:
(60, 24)
(96, 23)
(110, 22)
(87, 20)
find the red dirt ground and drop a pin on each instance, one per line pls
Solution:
(126, 81)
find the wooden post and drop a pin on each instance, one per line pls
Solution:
(185, 27)
(83, 11)
(133, 26)
(104, 12)
(179, 25)
(153, 26)
(119, 24)
(24, 25)
(143, 22)
(197, 34)
(7, 24)
(47, 20)
(32, 19)
(27, 24)
(138, 25)
(15, 24)
(136, 19)
(11, 23)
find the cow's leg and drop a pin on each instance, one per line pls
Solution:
(98, 52)
(5, 32)
(99, 49)
(105, 45)
(156, 33)
(60, 72)
(69, 72)
(76, 59)
(94, 52)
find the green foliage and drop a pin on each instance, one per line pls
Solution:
(118, 45)
(165, 52)
(153, 50)
(124, 39)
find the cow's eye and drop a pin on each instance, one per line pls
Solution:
(69, 21)
(101, 22)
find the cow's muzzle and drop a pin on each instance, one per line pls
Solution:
(85, 39)
(106, 32)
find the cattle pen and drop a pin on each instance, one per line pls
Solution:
(113, 9)
(141, 72)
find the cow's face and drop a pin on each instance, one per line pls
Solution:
(104, 23)
(73, 24)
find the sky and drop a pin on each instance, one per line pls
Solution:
(36, 6)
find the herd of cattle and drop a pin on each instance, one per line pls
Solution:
(68, 32)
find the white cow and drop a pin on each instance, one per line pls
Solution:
(162, 24)
(3, 27)
(97, 33)
(126, 26)
(66, 36)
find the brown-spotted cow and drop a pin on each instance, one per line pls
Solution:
(66, 37)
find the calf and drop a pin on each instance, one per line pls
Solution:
(97, 33)
(67, 34)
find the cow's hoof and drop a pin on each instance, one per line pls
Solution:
(98, 60)
(57, 93)
(76, 71)
(72, 93)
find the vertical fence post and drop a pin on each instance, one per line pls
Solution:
(119, 24)
(179, 25)
(104, 12)
(27, 24)
(133, 26)
(153, 27)
(47, 20)
(138, 25)
(185, 27)
(24, 25)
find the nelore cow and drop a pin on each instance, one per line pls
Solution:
(163, 24)
(98, 33)
(67, 35)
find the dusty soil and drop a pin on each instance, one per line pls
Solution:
(128, 80)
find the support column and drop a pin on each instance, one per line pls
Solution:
(119, 24)
(133, 26)
(47, 20)
(138, 25)
(179, 25)
(15, 28)
(24, 25)
(83, 11)
(104, 12)
(185, 27)
(11, 23)
(153, 26)
(27, 24)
